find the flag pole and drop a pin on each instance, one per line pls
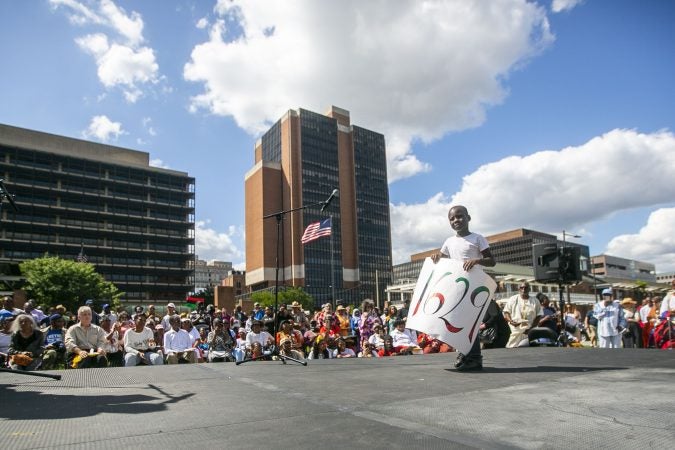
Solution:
(332, 262)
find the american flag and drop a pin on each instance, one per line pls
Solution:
(316, 230)
(81, 257)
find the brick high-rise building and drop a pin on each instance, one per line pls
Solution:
(299, 161)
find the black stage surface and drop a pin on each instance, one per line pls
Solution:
(525, 398)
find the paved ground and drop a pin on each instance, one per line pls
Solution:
(525, 398)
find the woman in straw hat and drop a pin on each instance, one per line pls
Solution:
(632, 336)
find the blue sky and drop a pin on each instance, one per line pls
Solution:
(546, 115)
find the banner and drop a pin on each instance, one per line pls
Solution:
(449, 303)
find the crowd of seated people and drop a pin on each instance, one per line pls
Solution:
(31, 339)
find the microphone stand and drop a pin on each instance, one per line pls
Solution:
(4, 194)
(279, 216)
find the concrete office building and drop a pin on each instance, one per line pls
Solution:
(515, 246)
(615, 268)
(299, 161)
(210, 273)
(133, 221)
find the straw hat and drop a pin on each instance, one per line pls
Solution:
(628, 301)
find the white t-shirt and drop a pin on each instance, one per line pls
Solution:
(403, 338)
(466, 247)
(263, 338)
(134, 341)
(668, 303)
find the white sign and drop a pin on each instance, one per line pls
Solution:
(449, 303)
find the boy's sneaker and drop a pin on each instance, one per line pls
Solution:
(460, 360)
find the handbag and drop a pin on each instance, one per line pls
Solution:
(22, 360)
(487, 335)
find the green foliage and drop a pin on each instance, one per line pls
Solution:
(52, 281)
(297, 294)
(265, 298)
(286, 296)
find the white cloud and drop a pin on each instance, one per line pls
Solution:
(655, 242)
(549, 190)
(159, 163)
(147, 124)
(418, 227)
(103, 129)
(415, 71)
(126, 63)
(105, 13)
(564, 5)
(211, 244)
(202, 23)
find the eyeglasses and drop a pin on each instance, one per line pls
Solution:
(523, 287)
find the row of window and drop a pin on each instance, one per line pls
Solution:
(58, 163)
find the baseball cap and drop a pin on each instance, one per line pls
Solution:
(54, 317)
(607, 291)
(170, 305)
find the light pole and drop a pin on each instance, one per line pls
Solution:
(561, 286)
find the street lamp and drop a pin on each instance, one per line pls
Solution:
(570, 235)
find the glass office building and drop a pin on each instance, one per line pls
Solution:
(300, 161)
(134, 222)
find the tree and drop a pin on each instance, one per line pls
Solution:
(286, 296)
(52, 281)
(265, 298)
(299, 295)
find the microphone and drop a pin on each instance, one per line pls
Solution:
(330, 199)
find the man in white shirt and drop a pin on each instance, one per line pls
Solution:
(177, 343)
(404, 340)
(256, 335)
(171, 310)
(668, 303)
(610, 320)
(140, 346)
(522, 312)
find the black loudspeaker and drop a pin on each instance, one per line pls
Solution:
(551, 263)
(545, 261)
(570, 269)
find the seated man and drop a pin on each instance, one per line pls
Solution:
(114, 347)
(140, 346)
(195, 337)
(405, 341)
(177, 343)
(262, 338)
(221, 342)
(55, 343)
(286, 349)
(341, 349)
(85, 342)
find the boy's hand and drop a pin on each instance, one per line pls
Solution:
(469, 263)
(436, 256)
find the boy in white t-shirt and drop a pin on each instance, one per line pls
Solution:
(472, 249)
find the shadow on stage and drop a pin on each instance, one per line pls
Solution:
(541, 369)
(33, 405)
